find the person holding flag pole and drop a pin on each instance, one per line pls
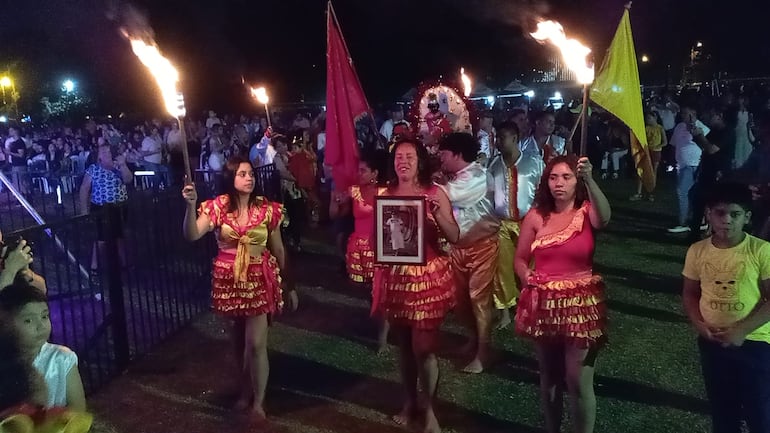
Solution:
(563, 308)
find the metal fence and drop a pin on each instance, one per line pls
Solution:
(145, 287)
(55, 204)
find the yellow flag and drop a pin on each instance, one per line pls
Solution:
(617, 90)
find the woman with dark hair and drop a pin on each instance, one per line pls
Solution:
(246, 275)
(416, 298)
(562, 305)
(359, 199)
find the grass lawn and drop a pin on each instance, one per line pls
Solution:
(326, 378)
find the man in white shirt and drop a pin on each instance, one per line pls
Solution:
(152, 147)
(396, 116)
(474, 256)
(301, 122)
(516, 176)
(688, 155)
(321, 153)
(486, 137)
(543, 141)
(152, 155)
(212, 120)
(520, 118)
(667, 111)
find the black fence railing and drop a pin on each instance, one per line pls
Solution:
(268, 182)
(40, 189)
(144, 287)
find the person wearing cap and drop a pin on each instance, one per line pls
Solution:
(486, 138)
(543, 141)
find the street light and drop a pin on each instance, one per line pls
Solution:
(645, 59)
(68, 86)
(5, 81)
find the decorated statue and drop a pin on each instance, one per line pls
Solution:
(436, 121)
(438, 110)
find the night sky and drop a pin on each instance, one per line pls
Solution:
(394, 43)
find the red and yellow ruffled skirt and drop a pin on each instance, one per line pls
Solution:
(260, 294)
(415, 296)
(360, 259)
(569, 309)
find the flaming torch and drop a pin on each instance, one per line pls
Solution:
(466, 83)
(260, 94)
(167, 78)
(575, 56)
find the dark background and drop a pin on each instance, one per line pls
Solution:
(395, 43)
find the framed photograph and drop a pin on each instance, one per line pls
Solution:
(399, 227)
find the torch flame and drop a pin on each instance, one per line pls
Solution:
(165, 74)
(466, 83)
(575, 54)
(260, 94)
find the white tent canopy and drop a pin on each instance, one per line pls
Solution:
(481, 89)
(515, 86)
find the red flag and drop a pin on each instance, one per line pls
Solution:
(346, 106)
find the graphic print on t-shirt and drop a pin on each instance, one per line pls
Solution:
(721, 282)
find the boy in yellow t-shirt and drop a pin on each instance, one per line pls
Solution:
(726, 291)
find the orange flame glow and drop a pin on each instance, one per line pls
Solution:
(260, 94)
(466, 83)
(165, 75)
(575, 54)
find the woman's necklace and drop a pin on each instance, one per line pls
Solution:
(243, 217)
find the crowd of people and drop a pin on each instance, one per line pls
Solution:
(510, 224)
(509, 238)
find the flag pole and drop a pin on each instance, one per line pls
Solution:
(332, 15)
(584, 122)
(574, 129)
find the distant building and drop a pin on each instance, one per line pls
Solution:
(557, 72)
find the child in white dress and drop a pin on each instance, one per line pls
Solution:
(26, 309)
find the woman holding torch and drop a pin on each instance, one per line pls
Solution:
(562, 307)
(246, 274)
